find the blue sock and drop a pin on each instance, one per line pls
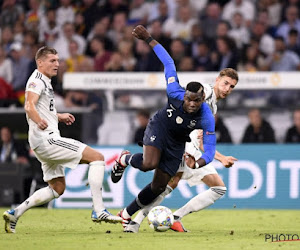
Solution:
(135, 160)
(145, 197)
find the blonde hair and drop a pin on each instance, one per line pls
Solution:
(44, 51)
(232, 73)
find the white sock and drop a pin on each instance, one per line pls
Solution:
(144, 212)
(201, 201)
(38, 198)
(125, 214)
(95, 177)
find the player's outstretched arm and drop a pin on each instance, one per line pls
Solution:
(227, 161)
(66, 118)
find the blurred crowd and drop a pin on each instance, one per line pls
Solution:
(95, 35)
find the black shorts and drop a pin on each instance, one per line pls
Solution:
(171, 150)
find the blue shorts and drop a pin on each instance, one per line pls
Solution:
(171, 150)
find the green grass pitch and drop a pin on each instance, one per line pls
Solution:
(233, 229)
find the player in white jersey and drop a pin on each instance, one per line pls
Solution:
(188, 170)
(53, 151)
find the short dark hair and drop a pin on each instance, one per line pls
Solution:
(144, 112)
(44, 51)
(195, 87)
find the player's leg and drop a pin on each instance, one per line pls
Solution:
(134, 225)
(147, 161)
(95, 178)
(54, 190)
(147, 195)
(216, 191)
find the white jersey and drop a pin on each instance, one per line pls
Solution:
(41, 85)
(211, 99)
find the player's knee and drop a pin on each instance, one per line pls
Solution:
(58, 191)
(149, 165)
(173, 183)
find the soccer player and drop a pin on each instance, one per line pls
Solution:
(224, 84)
(167, 132)
(53, 151)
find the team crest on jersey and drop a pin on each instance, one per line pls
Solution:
(32, 85)
(152, 138)
(192, 124)
(179, 120)
(49, 92)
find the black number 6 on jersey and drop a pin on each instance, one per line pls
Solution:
(51, 106)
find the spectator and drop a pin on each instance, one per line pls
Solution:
(181, 26)
(77, 62)
(10, 13)
(139, 12)
(252, 60)
(34, 15)
(65, 13)
(292, 22)
(126, 50)
(20, 67)
(6, 70)
(157, 33)
(101, 56)
(222, 132)
(114, 63)
(282, 59)
(146, 59)
(203, 60)
(62, 43)
(239, 31)
(246, 8)
(116, 33)
(259, 130)
(12, 150)
(7, 38)
(209, 21)
(293, 133)
(197, 37)
(112, 7)
(177, 51)
(142, 116)
(48, 28)
(228, 57)
(265, 41)
(90, 15)
(186, 64)
(292, 43)
(162, 10)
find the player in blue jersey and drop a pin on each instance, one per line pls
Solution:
(167, 132)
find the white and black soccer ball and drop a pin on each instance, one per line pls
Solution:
(160, 218)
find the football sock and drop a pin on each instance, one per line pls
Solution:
(144, 212)
(201, 201)
(135, 160)
(38, 198)
(95, 178)
(145, 197)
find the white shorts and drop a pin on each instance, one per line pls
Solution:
(194, 176)
(56, 153)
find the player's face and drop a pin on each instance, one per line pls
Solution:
(48, 65)
(192, 101)
(224, 86)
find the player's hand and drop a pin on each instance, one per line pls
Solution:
(228, 161)
(66, 118)
(42, 124)
(189, 160)
(140, 32)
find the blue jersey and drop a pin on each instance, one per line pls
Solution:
(170, 127)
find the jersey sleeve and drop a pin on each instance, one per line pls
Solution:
(209, 136)
(174, 89)
(35, 86)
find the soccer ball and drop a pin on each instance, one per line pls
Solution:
(160, 218)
